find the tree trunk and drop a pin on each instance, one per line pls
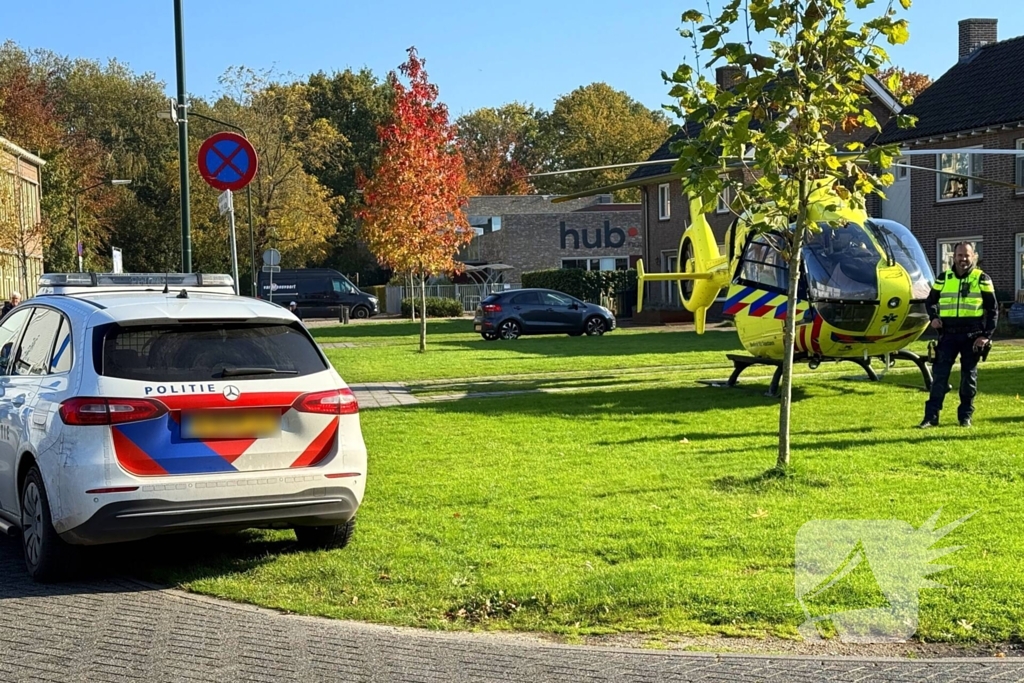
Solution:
(423, 311)
(412, 297)
(789, 333)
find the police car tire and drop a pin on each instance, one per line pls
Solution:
(325, 537)
(56, 559)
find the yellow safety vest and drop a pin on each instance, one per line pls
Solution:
(961, 297)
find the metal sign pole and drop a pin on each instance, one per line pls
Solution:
(226, 204)
(234, 250)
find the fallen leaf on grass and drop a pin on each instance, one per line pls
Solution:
(760, 514)
(684, 440)
(965, 625)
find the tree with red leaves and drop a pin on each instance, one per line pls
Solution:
(501, 147)
(413, 219)
(910, 83)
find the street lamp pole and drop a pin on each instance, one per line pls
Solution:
(248, 198)
(183, 161)
(78, 238)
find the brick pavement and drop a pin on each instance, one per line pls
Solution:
(115, 629)
(383, 395)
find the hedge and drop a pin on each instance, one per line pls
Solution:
(588, 285)
(436, 307)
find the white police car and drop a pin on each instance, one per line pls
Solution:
(127, 413)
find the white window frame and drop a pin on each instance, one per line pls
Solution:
(976, 167)
(1019, 167)
(902, 168)
(977, 240)
(722, 206)
(589, 258)
(664, 201)
(1019, 267)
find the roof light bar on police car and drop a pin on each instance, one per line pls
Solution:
(135, 280)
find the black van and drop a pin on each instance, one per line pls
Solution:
(319, 292)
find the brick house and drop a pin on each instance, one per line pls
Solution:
(978, 103)
(665, 210)
(529, 233)
(21, 247)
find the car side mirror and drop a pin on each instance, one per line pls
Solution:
(575, 307)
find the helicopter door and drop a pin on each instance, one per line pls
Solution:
(763, 265)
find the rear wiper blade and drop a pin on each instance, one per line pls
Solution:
(236, 372)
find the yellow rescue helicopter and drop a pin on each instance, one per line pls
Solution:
(861, 295)
(862, 287)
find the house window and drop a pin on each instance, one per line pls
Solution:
(485, 225)
(902, 169)
(664, 202)
(1020, 167)
(947, 247)
(723, 201)
(601, 263)
(953, 167)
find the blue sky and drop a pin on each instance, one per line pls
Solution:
(479, 53)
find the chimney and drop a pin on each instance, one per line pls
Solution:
(728, 76)
(974, 33)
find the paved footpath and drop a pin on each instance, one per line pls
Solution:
(112, 629)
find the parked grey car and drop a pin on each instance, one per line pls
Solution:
(512, 314)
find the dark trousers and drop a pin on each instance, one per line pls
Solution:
(950, 346)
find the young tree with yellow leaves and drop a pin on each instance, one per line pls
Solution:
(778, 123)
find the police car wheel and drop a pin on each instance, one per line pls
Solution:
(47, 557)
(325, 537)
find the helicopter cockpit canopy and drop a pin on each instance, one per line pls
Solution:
(841, 269)
(907, 252)
(842, 264)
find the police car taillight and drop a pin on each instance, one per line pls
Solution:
(334, 402)
(85, 411)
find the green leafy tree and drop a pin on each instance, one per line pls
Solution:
(292, 210)
(501, 146)
(596, 125)
(780, 122)
(356, 103)
(115, 111)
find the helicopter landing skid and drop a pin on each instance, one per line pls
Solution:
(921, 363)
(741, 363)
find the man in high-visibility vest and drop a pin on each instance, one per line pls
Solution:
(963, 308)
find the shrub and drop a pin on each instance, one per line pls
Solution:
(589, 285)
(436, 307)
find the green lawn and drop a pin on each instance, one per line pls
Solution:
(389, 352)
(640, 501)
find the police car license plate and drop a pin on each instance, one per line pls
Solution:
(231, 424)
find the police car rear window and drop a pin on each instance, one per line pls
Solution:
(195, 352)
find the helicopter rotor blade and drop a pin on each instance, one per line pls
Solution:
(986, 181)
